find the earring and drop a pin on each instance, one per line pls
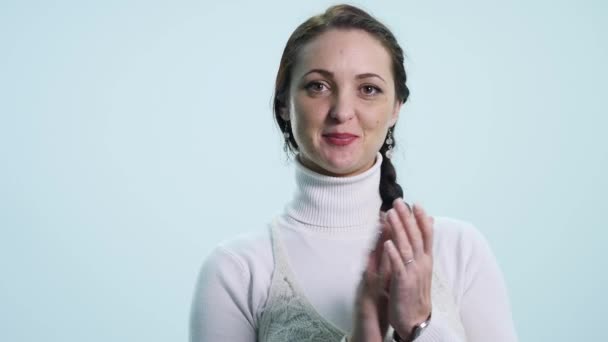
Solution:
(286, 134)
(389, 142)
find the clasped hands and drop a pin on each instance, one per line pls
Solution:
(395, 287)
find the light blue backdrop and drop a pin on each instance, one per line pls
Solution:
(134, 136)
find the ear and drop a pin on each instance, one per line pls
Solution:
(284, 113)
(395, 113)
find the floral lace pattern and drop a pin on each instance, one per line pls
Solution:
(288, 318)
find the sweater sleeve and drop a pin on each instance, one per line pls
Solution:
(220, 308)
(484, 306)
(485, 310)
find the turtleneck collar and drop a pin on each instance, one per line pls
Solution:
(336, 202)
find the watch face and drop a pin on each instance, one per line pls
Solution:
(419, 328)
(417, 332)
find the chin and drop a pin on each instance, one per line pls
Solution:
(343, 164)
(338, 162)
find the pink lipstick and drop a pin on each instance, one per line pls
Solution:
(339, 139)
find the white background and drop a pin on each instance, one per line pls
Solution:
(136, 135)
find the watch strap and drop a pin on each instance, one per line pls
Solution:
(416, 331)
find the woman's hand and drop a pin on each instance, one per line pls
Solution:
(371, 303)
(410, 251)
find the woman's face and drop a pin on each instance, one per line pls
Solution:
(342, 101)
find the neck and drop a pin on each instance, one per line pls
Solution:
(327, 202)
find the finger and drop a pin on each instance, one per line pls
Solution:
(399, 236)
(398, 269)
(412, 227)
(426, 227)
(370, 273)
(385, 272)
(374, 256)
(383, 235)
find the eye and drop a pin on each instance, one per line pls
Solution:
(370, 90)
(316, 87)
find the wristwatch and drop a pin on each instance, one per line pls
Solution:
(416, 331)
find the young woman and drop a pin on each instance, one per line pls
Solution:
(348, 259)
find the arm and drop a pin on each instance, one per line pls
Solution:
(220, 310)
(484, 306)
(485, 310)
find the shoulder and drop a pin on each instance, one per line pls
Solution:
(245, 252)
(237, 273)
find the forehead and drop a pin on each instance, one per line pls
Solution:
(345, 51)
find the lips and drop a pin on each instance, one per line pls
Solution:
(339, 139)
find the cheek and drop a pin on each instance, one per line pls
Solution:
(308, 114)
(376, 125)
(376, 121)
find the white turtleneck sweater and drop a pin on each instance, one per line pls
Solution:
(328, 229)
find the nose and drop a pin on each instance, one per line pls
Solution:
(343, 107)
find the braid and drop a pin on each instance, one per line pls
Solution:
(389, 188)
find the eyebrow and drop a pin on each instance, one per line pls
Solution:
(330, 74)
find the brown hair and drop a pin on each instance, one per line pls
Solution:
(343, 17)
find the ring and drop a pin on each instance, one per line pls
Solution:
(409, 261)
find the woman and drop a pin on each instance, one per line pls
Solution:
(348, 259)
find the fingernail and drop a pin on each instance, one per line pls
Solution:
(406, 208)
(417, 208)
(388, 244)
